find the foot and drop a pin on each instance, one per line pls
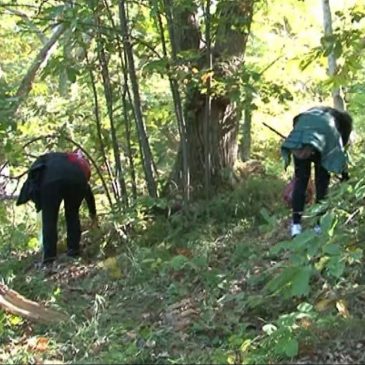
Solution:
(45, 265)
(48, 261)
(73, 253)
(295, 229)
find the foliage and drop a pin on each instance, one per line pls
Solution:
(215, 281)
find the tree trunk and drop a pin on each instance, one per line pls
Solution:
(246, 130)
(120, 182)
(27, 81)
(332, 62)
(233, 26)
(146, 154)
(185, 171)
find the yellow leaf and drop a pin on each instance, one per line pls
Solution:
(112, 267)
(194, 70)
(342, 308)
(324, 304)
(245, 345)
(207, 76)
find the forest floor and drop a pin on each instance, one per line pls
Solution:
(185, 289)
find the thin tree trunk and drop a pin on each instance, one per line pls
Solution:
(122, 190)
(144, 144)
(27, 81)
(247, 127)
(98, 128)
(332, 61)
(208, 102)
(63, 78)
(175, 93)
(125, 93)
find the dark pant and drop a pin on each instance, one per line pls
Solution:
(52, 194)
(302, 175)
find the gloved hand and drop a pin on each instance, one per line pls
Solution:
(345, 176)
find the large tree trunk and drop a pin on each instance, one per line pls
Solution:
(234, 20)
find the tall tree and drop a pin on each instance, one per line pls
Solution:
(232, 27)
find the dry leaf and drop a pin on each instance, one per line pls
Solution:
(184, 252)
(324, 304)
(342, 308)
(38, 344)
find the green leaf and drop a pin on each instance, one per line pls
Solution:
(336, 266)
(71, 74)
(300, 282)
(328, 223)
(331, 249)
(159, 66)
(178, 262)
(282, 280)
(291, 347)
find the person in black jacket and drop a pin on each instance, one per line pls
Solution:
(54, 177)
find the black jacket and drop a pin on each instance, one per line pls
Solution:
(50, 167)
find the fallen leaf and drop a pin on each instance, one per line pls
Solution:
(324, 304)
(38, 344)
(342, 308)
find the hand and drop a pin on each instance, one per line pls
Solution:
(345, 176)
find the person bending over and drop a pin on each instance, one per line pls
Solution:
(54, 177)
(319, 136)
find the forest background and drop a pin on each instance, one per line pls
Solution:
(191, 260)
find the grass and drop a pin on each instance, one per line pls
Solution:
(187, 289)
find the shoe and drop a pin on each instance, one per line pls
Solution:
(295, 229)
(317, 229)
(73, 253)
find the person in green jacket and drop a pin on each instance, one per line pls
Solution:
(319, 136)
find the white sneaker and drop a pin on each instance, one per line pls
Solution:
(317, 229)
(295, 229)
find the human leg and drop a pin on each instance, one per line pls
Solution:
(302, 173)
(73, 197)
(50, 204)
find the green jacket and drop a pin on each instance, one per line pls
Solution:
(317, 129)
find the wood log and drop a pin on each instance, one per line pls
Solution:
(13, 302)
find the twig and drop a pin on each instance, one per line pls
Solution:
(354, 214)
(274, 130)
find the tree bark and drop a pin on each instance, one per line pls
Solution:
(338, 101)
(233, 20)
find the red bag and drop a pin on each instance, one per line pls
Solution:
(289, 188)
(78, 157)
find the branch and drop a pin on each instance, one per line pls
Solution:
(26, 84)
(25, 17)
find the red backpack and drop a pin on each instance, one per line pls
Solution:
(80, 159)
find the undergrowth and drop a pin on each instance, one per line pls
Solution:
(218, 283)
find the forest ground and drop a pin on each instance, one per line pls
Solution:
(190, 288)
